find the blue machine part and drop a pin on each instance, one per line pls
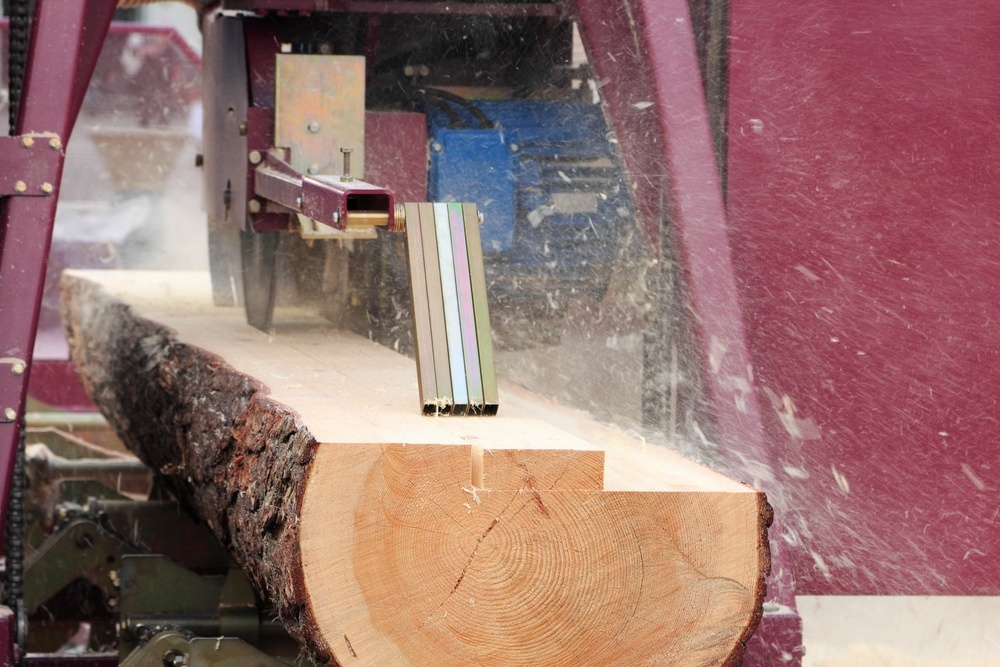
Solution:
(547, 181)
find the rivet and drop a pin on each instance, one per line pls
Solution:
(27, 142)
(254, 206)
(313, 169)
(255, 157)
(54, 143)
(314, 127)
(17, 368)
(20, 186)
(437, 147)
(10, 414)
(47, 188)
(336, 217)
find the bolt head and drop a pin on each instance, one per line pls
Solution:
(314, 127)
(27, 142)
(255, 157)
(20, 186)
(17, 368)
(437, 147)
(47, 188)
(10, 414)
(254, 206)
(313, 169)
(54, 143)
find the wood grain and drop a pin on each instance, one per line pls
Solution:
(384, 537)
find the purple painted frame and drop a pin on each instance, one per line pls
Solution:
(66, 38)
(644, 54)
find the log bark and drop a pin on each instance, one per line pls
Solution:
(383, 537)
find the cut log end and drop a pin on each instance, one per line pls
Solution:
(382, 537)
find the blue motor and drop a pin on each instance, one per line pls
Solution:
(546, 178)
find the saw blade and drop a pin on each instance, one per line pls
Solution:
(260, 276)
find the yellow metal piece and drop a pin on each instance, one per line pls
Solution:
(319, 110)
(367, 219)
(311, 230)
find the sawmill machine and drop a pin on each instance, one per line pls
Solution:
(550, 178)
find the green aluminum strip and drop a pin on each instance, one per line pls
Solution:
(484, 332)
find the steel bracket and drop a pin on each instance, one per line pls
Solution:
(29, 164)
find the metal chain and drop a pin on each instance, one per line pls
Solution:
(20, 31)
(14, 588)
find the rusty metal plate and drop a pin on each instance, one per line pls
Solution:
(319, 109)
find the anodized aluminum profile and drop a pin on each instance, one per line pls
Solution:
(466, 311)
(455, 367)
(452, 317)
(484, 334)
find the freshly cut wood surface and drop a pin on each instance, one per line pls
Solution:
(384, 537)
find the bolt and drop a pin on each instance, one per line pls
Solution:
(347, 161)
(314, 127)
(336, 217)
(54, 143)
(242, 128)
(17, 368)
(27, 142)
(479, 214)
(313, 169)
(173, 658)
(514, 148)
(10, 414)
(47, 188)
(255, 157)
(254, 206)
(20, 186)
(437, 147)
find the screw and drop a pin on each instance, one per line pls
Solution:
(314, 127)
(254, 206)
(47, 188)
(27, 142)
(54, 143)
(17, 368)
(347, 162)
(10, 414)
(255, 157)
(479, 214)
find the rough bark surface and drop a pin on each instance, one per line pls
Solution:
(237, 459)
(381, 537)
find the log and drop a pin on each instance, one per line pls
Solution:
(384, 537)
